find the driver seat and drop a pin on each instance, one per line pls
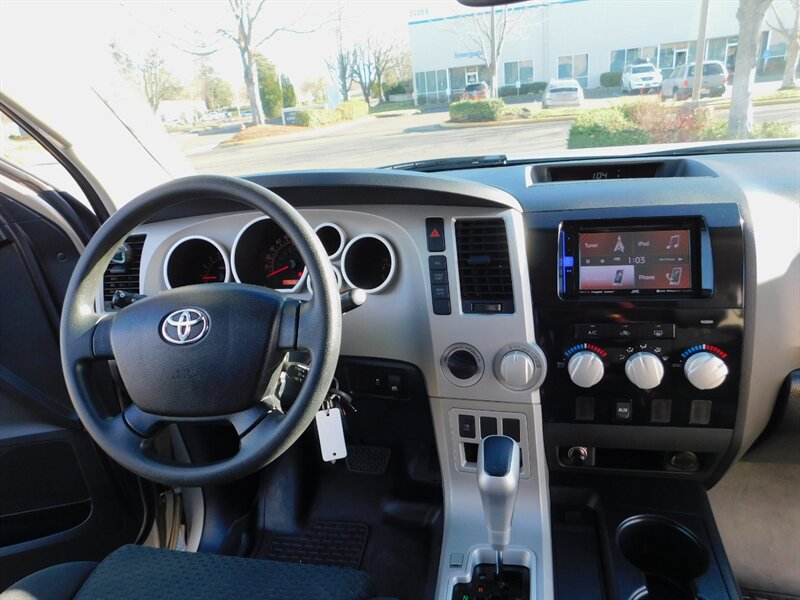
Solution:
(134, 572)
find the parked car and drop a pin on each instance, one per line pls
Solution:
(679, 84)
(562, 92)
(641, 77)
(477, 91)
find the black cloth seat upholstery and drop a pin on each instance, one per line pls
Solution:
(135, 572)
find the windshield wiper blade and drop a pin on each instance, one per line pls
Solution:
(448, 164)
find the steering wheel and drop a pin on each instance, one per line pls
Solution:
(199, 353)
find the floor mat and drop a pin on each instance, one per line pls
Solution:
(368, 460)
(751, 595)
(330, 543)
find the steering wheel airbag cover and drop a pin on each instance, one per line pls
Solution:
(222, 372)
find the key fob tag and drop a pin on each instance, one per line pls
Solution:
(331, 434)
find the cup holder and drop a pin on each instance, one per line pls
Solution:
(669, 555)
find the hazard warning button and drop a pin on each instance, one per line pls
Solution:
(434, 229)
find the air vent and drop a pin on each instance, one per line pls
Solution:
(484, 270)
(123, 272)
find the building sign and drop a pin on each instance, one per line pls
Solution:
(470, 54)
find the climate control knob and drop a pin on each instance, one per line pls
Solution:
(520, 367)
(585, 369)
(645, 370)
(705, 371)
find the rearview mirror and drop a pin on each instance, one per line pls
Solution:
(481, 3)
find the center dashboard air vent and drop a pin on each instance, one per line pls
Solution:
(484, 269)
(123, 272)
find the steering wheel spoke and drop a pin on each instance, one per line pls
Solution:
(143, 424)
(246, 420)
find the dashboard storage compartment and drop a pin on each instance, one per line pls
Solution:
(670, 556)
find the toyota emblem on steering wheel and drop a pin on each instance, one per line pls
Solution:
(185, 326)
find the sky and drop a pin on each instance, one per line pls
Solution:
(177, 27)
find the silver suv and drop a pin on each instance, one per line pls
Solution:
(678, 84)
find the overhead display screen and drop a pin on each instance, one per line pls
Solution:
(632, 260)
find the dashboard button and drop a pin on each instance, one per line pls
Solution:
(623, 411)
(466, 426)
(661, 410)
(440, 291)
(488, 426)
(437, 263)
(438, 277)
(584, 408)
(434, 231)
(700, 412)
(441, 306)
(511, 429)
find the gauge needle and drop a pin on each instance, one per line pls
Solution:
(209, 278)
(276, 271)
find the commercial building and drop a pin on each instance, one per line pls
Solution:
(578, 39)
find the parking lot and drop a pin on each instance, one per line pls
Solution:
(379, 141)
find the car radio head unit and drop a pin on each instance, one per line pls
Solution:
(631, 259)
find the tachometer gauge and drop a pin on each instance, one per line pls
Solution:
(263, 254)
(193, 260)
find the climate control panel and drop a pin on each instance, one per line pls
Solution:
(681, 373)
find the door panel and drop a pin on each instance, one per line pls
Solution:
(61, 498)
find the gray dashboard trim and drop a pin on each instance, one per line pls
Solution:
(334, 188)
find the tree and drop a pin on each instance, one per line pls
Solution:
(364, 67)
(791, 32)
(488, 33)
(245, 14)
(150, 75)
(341, 65)
(157, 83)
(750, 15)
(269, 91)
(215, 91)
(124, 62)
(315, 88)
(385, 56)
(289, 97)
(219, 93)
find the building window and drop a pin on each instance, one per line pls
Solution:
(574, 66)
(431, 86)
(518, 71)
(622, 58)
(674, 55)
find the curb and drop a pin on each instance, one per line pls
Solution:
(299, 135)
(452, 125)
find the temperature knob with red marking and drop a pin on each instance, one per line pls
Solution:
(704, 367)
(585, 366)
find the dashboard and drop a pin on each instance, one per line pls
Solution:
(618, 306)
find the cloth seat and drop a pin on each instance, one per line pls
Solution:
(135, 572)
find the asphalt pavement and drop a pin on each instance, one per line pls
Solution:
(380, 141)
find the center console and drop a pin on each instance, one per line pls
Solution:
(642, 328)
(640, 314)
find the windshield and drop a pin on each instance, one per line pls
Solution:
(245, 87)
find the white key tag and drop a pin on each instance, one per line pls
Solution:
(331, 434)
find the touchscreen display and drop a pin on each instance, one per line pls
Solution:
(635, 260)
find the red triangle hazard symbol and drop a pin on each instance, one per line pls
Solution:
(435, 233)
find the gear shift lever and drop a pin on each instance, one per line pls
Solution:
(498, 482)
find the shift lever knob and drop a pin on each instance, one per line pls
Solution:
(498, 482)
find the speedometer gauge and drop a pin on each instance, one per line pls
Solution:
(193, 260)
(263, 254)
(283, 266)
